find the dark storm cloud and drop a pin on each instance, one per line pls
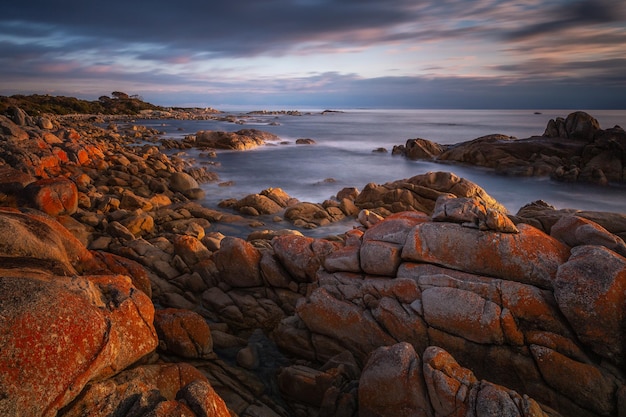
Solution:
(280, 27)
(234, 28)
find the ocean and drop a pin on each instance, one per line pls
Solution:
(343, 154)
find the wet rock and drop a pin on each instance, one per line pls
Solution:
(268, 201)
(305, 141)
(571, 149)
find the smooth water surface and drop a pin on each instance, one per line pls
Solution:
(343, 154)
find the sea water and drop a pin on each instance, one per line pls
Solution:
(344, 154)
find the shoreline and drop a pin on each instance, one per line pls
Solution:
(279, 323)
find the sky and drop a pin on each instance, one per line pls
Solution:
(541, 54)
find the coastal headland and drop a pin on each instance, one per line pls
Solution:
(117, 297)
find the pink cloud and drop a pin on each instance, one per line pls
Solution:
(58, 67)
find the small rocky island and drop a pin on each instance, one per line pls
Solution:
(118, 299)
(571, 149)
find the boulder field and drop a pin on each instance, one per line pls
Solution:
(118, 299)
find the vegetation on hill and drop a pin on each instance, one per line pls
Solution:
(119, 103)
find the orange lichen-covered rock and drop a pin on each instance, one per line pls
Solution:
(13, 180)
(183, 332)
(395, 227)
(202, 399)
(464, 314)
(238, 263)
(380, 258)
(382, 243)
(590, 290)
(392, 384)
(53, 196)
(530, 256)
(34, 240)
(577, 231)
(296, 254)
(455, 391)
(448, 383)
(471, 212)
(190, 249)
(58, 333)
(324, 314)
(148, 390)
(588, 386)
(109, 263)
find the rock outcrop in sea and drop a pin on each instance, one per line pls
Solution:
(571, 149)
(117, 298)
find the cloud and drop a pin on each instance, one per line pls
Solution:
(571, 15)
(336, 90)
(227, 28)
(309, 50)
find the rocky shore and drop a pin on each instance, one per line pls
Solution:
(572, 149)
(118, 299)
